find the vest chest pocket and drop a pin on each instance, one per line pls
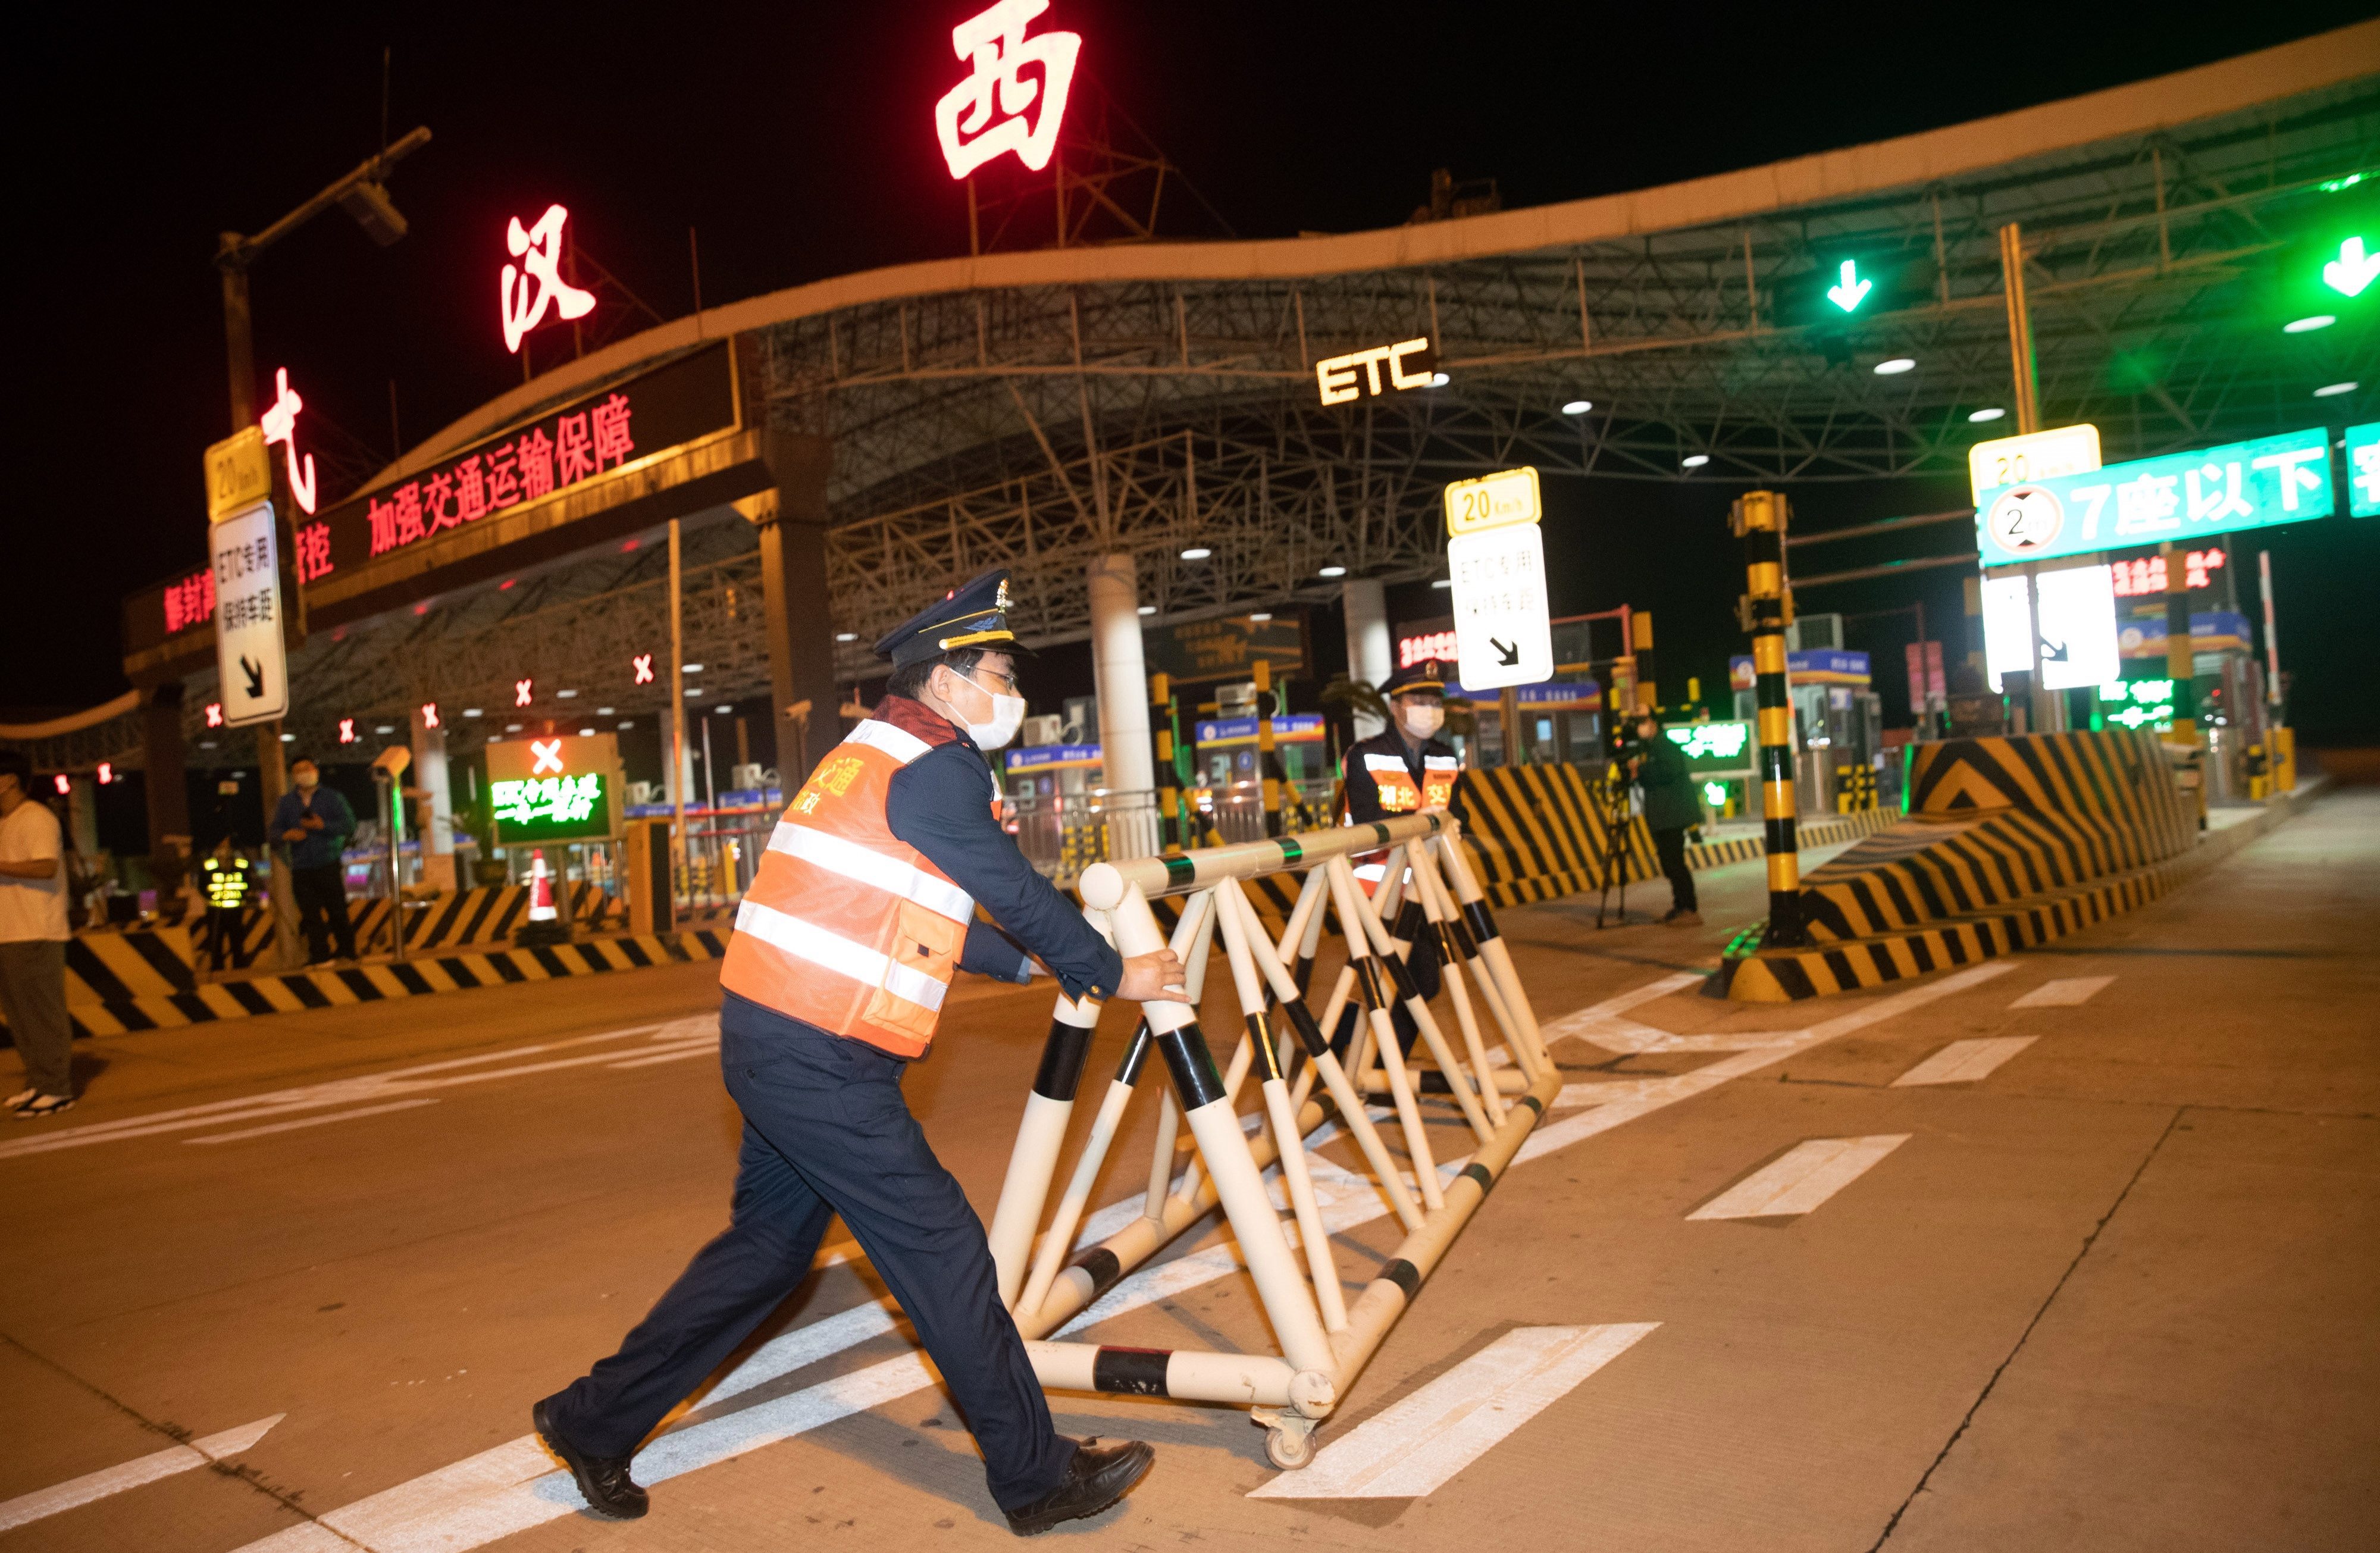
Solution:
(923, 958)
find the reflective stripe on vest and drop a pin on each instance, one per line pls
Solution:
(837, 893)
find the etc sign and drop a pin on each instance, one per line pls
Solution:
(994, 44)
(1357, 375)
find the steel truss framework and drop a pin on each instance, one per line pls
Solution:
(1037, 427)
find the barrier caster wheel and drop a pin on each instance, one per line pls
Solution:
(1289, 1449)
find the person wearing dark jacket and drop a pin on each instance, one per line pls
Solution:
(1671, 808)
(315, 822)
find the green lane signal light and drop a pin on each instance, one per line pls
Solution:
(1851, 291)
(2336, 185)
(2353, 269)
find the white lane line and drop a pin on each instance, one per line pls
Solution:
(1416, 1446)
(2067, 991)
(1808, 1175)
(511, 1487)
(1964, 1061)
(309, 1121)
(670, 1054)
(99, 1484)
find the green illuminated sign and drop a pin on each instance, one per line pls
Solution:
(2145, 702)
(1715, 794)
(2180, 497)
(1713, 746)
(553, 809)
(2353, 269)
(1850, 291)
(2363, 469)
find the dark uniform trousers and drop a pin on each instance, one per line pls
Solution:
(1423, 966)
(826, 1131)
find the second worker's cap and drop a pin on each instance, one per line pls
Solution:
(1428, 675)
(973, 614)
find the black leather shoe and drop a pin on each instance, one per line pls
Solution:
(1099, 1475)
(603, 1479)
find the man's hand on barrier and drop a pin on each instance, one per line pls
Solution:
(1153, 975)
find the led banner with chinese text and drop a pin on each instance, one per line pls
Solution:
(1226, 648)
(1714, 747)
(606, 430)
(554, 788)
(2181, 498)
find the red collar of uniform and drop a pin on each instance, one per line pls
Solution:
(918, 720)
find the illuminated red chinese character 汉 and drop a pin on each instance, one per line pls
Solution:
(538, 249)
(994, 44)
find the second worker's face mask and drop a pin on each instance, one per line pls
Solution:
(1007, 716)
(1421, 719)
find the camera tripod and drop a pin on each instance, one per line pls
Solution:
(1608, 800)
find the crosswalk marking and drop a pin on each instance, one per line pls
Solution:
(1964, 1061)
(45, 1503)
(2067, 991)
(311, 1122)
(1804, 1178)
(1417, 1446)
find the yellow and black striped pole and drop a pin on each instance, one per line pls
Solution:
(1759, 517)
(1169, 795)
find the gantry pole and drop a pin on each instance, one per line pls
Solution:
(1759, 518)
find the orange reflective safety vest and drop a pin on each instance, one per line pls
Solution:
(1393, 781)
(847, 926)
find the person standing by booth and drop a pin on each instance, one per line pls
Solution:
(315, 822)
(1670, 810)
(861, 916)
(1405, 768)
(33, 935)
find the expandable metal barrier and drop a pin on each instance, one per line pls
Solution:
(1325, 1341)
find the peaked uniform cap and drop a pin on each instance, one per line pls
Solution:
(1428, 675)
(973, 614)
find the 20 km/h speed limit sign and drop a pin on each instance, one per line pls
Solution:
(1501, 632)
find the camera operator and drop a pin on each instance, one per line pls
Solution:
(1670, 810)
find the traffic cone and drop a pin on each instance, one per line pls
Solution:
(544, 925)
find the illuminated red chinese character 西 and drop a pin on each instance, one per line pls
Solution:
(994, 44)
(538, 249)
(280, 424)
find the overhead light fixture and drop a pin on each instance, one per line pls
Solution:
(288, 738)
(627, 725)
(1895, 367)
(512, 727)
(604, 711)
(470, 712)
(692, 668)
(723, 710)
(586, 733)
(2332, 390)
(1443, 582)
(1259, 618)
(693, 693)
(2308, 325)
(1439, 379)
(1148, 609)
(385, 728)
(1196, 552)
(1989, 412)
(1578, 407)
(1333, 571)
(1693, 460)
(846, 636)
(564, 695)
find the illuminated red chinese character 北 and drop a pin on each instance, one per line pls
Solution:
(538, 249)
(521, 688)
(643, 665)
(994, 44)
(280, 424)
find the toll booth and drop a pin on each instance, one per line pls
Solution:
(1051, 803)
(1559, 721)
(2234, 711)
(1837, 721)
(1229, 783)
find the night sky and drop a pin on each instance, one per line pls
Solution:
(797, 140)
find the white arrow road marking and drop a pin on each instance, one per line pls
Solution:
(1964, 1061)
(132, 1474)
(1416, 1446)
(2064, 992)
(513, 1487)
(1803, 1178)
(309, 1121)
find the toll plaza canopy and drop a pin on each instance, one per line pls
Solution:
(838, 448)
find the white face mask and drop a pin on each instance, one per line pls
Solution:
(1422, 721)
(1007, 716)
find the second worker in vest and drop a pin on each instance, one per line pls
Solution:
(861, 914)
(1405, 769)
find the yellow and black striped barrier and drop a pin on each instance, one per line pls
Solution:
(2009, 842)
